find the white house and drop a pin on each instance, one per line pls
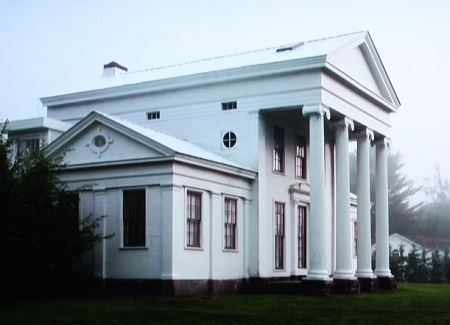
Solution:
(225, 172)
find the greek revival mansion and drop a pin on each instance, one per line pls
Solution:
(230, 173)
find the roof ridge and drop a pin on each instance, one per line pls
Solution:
(238, 53)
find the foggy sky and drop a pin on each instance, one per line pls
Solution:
(49, 46)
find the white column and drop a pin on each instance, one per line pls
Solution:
(343, 225)
(316, 248)
(364, 254)
(382, 210)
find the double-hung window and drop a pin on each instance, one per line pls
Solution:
(134, 218)
(193, 219)
(279, 236)
(300, 157)
(230, 223)
(278, 149)
(301, 237)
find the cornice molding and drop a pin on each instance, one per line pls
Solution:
(188, 81)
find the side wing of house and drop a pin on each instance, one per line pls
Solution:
(179, 221)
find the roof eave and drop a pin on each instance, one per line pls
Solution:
(193, 80)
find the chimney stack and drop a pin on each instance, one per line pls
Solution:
(113, 69)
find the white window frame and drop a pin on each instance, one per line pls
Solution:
(236, 233)
(186, 214)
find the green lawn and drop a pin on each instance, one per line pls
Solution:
(410, 304)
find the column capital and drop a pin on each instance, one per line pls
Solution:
(383, 141)
(364, 133)
(316, 109)
(343, 122)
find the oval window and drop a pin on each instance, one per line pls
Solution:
(229, 139)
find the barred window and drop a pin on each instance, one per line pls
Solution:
(279, 235)
(300, 157)
(230, 223)
(301, 237)
(193, 219)
(134, 218)
(278, 149)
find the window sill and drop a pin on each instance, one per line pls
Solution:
(230, 250)
(279, 173)
(189, 248)
(137, 248)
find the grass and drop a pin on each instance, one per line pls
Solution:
(410, 304)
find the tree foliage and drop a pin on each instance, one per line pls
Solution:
(41, 240)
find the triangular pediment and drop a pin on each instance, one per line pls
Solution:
(97, 139)
(359, 63)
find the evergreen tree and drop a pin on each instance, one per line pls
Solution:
(423, 268)
(435, 215)
(41, 240)
(411, 273)
(437, 272)
(447, 265)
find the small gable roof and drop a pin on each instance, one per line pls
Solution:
(167, 145)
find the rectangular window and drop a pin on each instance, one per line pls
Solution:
(355, 238)
(134, 218)
(28, 145)
(278, 149)
(229, 105)
(193, 219)
(279, 235)
(300, 157)
(301, 237)
(230, 223)
(153, 115)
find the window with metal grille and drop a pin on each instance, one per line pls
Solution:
(279, 235)
(300, 157)
(301, 237)
(278, 149)
(153, 115)
(193, 219)
(230, 223)
(134, 218)
(229, 105)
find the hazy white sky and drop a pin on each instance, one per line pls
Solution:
(48, 46)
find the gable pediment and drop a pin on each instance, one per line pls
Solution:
(98, 140)
(359, 63)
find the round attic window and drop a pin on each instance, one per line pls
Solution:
(229, 139)
(99, 141)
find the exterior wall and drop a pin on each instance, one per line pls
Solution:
(182, 109)
(165, 255)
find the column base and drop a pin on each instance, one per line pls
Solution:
(318, 287)
(387, 283)
(368, 284)
(346, 286)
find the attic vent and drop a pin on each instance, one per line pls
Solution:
(153, 115)
(229, 105)
(289, 47)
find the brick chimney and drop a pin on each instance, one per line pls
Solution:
(113, 69)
